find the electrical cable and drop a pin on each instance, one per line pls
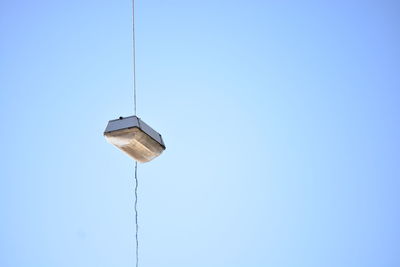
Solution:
(134, 108)
(136, 215)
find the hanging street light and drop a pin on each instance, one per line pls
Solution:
(135, 138)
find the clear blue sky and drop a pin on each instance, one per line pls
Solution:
(281, 120)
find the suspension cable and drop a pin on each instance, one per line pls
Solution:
(134, 56)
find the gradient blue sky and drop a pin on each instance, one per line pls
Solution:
(281, 120)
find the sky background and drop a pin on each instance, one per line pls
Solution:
(281, 121)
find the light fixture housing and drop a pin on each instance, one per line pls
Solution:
(135, 138)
